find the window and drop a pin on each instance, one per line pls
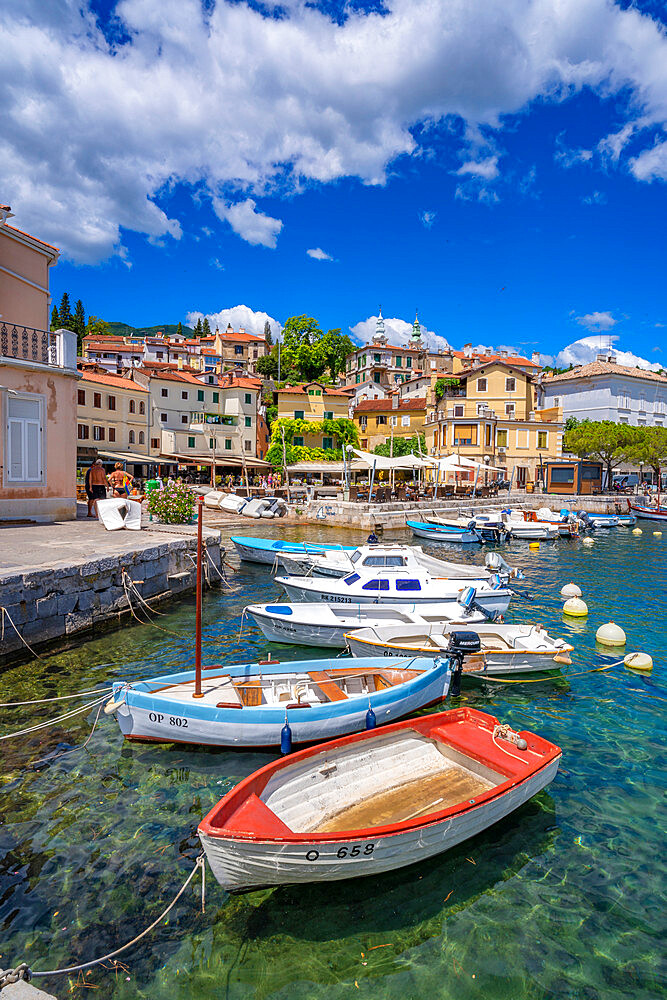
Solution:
(228, 444)
(248, 421)
(81, 397)
(142, 438)
(248, 398)
(328, 415)
(184, 418)
(556, 401)
(163, 418)
(142, 406)
(377, 359)
(97, 400)
(247, 445)
(327, 442)
(191, 442)
(164, 393)
(377, 377)
(561, 475)
(211, 442)
(509, 409)
(132, 406)
(482, 385)
(408, 585)
(111, 402)
(298, 414)
(591, 472)
(82, 432)
(352, 578)
(238, 349)
(363, 421)
(408, 362)
(380, 421)
(160, 355)
(155, 442)
(487, 436)
(465, 434)
(200, 395)
(211, 381)
(184, 394)
(356, 378)
(399, 362)
(216, 397)
(624, 401)
(394, 421)
(298, 441)
(98, 433)
(542, 437)
(458, 411)
(510, 385)
(24, 436)
(405, 421)
(501, 439)
(376, 585)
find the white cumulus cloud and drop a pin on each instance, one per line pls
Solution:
(582, 351)
(233, 104)
(317, 253)
(239, 316)
(599, 321)
(398, 331)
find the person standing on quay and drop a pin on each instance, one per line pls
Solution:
(96, 485)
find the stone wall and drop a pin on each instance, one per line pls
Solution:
(61, 601)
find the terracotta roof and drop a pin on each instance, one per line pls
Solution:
(114, 380)
(385, 406)
(241, 336)
(241, 383)
(480, 366)
(30, 237)
(109, 344)
(173, 376)
(156, 367)
(516, 360)
(604, 368)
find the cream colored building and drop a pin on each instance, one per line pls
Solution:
(488, 413)
(315, 402)
(37, 386)
(383, 420)
(112, 420)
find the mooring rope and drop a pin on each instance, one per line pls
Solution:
(23, 971)
(62, 697)
(167, 631)
(54, 722)
(11, 622)
(541, 680)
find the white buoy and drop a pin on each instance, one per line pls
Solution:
(610, 635)
(575, 607)
(636, 531)
(570, 590)
(658, 534)
(588, 542)
(639, 661)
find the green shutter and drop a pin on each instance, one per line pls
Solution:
(191, 442)
(200, 395)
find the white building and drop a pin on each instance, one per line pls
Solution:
(605, 390)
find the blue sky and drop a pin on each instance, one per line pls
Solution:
(501, 166)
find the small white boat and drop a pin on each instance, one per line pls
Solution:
(506, 649)
(232, 504)
(310, 624)
(374, 802)
(533, 531)
(248, 705)
(413, 585)
(441, 532)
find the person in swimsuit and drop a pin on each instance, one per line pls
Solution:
(97, 481)
(120, 480)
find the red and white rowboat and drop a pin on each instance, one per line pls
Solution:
(648, 513)
(372, 802)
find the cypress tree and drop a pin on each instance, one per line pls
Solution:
(206, 327)
(55, 319)
(198, 328)
(179, 329)
(65, 314)
(79, 324)
(268, 336)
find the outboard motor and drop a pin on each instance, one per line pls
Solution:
(494, 563)
(461, 644)
(467, 598)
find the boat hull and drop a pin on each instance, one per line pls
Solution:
(488, 663)
(459, 536)
(649, 513)
(157, 715)
(244, 865)
(492, 601)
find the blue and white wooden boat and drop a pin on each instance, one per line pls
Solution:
(445, 532)
(249, 705)
(265, 550)
(614, 519)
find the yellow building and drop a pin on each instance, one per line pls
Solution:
(489, 414)
(313, 401)
(113, 420)
(380, 420)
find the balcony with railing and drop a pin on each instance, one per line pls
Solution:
(27, 345)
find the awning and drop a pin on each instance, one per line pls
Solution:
(128, 456)
(231, 461)
(380, 462)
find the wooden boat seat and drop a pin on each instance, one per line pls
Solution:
(381, 682)
(250, 692)
(327, 686)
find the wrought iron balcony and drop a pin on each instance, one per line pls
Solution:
(25, 343)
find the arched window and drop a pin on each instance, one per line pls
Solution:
(131, 437)
(142, 406)
(141, 437)
(132, 406)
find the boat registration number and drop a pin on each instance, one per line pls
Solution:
(357, 850)
(335, 599)
(169, 720)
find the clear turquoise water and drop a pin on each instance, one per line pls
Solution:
(565, 899)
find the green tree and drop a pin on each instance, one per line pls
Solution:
(335, 349)
(64, 313)
(342, 430)
(55, 319)
(268, 365)
(268, 336)
(97, 327)
(206, 327)
(649, 448)
(571, 423)
(79, 324)
(402, 446)
(608, 442)
(198, 328)
(179, 329)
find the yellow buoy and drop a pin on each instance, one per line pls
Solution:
(639, 661)
(658, 534)
(610, 635)
(636, 531)
(588, 542)
(575, 607)
(533, 545)
(570, 590)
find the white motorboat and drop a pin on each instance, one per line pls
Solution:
(533, 531)
(341, 562)
(506, 649)
(409, 585)
(311, 624)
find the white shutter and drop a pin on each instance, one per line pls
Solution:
(24, 435)
(32, 451)
(15, 449)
